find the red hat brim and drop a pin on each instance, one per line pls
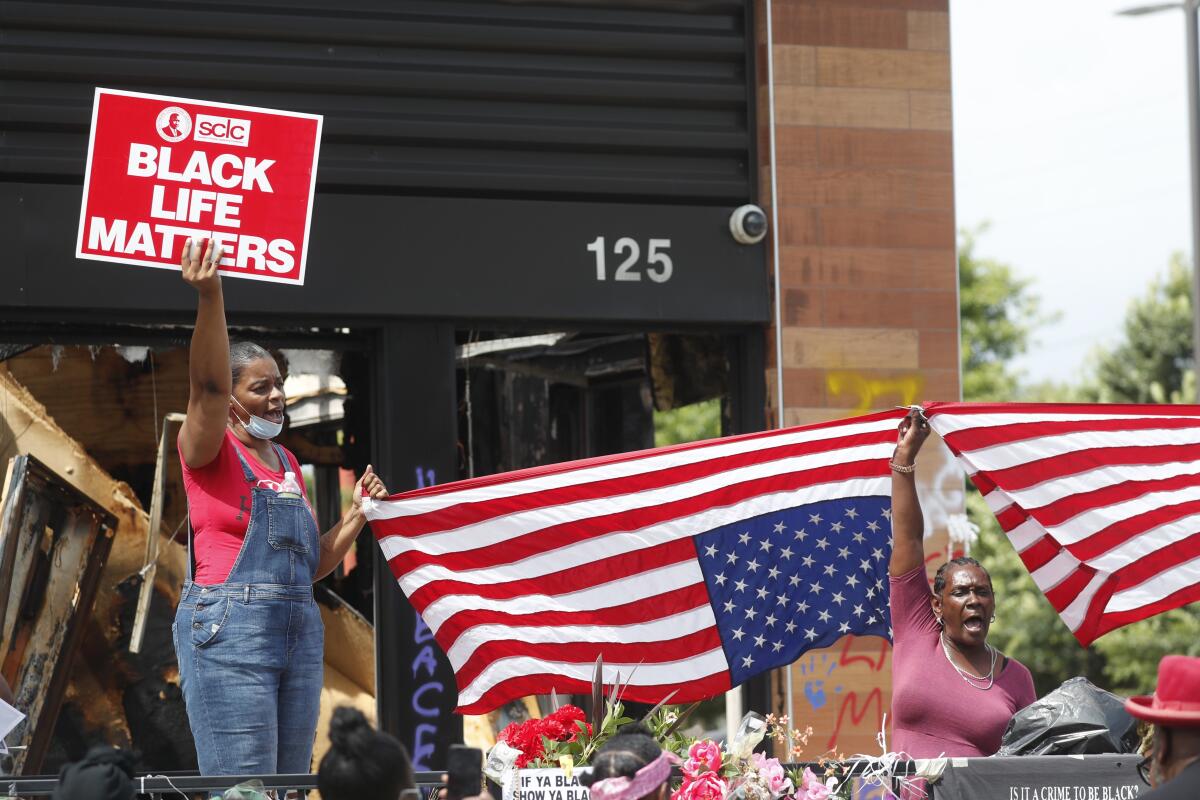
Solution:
(1142, 707)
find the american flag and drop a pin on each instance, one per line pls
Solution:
(1101, 501)
(688, 568)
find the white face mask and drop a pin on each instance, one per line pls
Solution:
(258, 427)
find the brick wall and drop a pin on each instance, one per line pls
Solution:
(867, 266)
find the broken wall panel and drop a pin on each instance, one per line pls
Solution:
(54, 542)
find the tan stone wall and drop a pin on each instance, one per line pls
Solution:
(867, 269)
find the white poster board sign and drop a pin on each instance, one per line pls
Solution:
(546, 784)
(9, 719)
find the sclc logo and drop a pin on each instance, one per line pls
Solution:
(173, 124)
(222, 130)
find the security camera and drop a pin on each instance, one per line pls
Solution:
(748, 224)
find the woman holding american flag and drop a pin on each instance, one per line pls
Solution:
(952, 692)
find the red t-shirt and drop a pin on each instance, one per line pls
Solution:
(219, 503)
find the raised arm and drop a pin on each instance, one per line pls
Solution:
(908, 526)
(211, 382)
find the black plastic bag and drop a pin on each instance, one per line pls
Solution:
(1075, 719)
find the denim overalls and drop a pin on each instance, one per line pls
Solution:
(251, 649)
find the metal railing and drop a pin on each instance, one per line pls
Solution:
(172, 786)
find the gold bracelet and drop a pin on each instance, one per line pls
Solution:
(903, 470)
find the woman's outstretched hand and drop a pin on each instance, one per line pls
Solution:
(373, 486)
(914, 430)
(200, 271)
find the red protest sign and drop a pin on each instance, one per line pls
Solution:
(163, 169)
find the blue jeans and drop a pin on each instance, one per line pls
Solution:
(251, 660)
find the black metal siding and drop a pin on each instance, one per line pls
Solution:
(635, 101)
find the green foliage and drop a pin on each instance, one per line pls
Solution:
(688, 423)
(1153, 364)
(998, 315)
(1133, 652)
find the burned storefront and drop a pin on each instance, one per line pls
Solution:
(521, 251)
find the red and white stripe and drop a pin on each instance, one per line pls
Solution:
(1101, 501)
(525, 578)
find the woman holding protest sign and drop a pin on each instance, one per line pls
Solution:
(247, 631)
(952, 692)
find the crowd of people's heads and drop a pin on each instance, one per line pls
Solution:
(629, 766)
(362, 763)
(105, 773)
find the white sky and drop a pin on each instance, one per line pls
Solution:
(1070, 137)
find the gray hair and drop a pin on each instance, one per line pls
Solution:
(243, 353)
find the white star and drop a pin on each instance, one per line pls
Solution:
(747, 661)
(807, 561)
(823, 616)
(729, 606)
(837, 598)
(731, 557)
(822, 543)
(830, 570)
(810, 633)
(786, 552)
(859, 538)
(853, 581)
(779, 526)
(843, 552)
(872, 526)
(794, 580)
(759, 641)
(752, 565)
(738, 633)
(815, 519)
(870, 594)
(879, 584)
(741, 585)
(773, 573)
(790, 627)
(803, 606)
(871, 620)
(858, 611)
(814, 588)
(836, 527)
(766, 545)
(781, 599)
(711, 550)
(877, 554)
(770, 620)
(865, 565)
(851, 513)
(744, 538)
(720, 578)
(887, 513)
(751, 613)
(801, 535)
(776, 647)
(762, 593)
(844, 627)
